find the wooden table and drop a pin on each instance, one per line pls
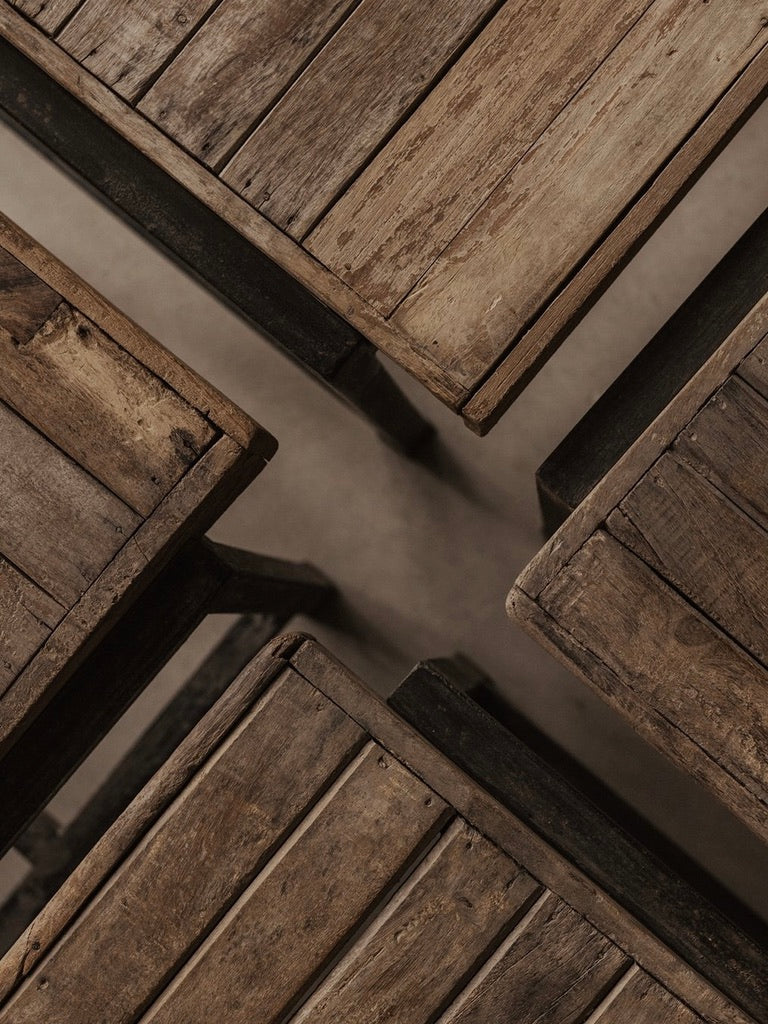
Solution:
(654, 590)
(456, 182)
(113, 454)
(306, 856)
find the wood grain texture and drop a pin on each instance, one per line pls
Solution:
(754, 369)
(631, 116)
(26, 301)
(228, 75)
(194, 863)
(27, 617)
(48, 14)
(525, 66)
(125, 44)
(670, 657)
(428, 939)
(103, 408)
(308, 898)
(641, 1000)
(553, 969)
(703, 544)
(352, 95)
(57, 524)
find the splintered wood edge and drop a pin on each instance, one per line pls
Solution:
(226, 203)
(196, 501)
(614, 486)
(493, 397)
(193, 388)
(128, 830)
(472, 802)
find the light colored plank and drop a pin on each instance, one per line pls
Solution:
(194, 863)
(426, 940)
(418, 193)
(124, 44)
(27, 301)
(48, 14)
(103, 408)
(552, 969)
(27, 617)
(228, 75)
(307, 899)
(547, 214)
(670, 657)
(703, 544)
(345, 104)
(641, 1000)
(57, 524)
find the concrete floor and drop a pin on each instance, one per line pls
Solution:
(424, 558)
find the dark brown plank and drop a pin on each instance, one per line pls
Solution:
(225, 79)
(26, 302)
(57, 524)
(27, 616)
(308, 898)
(703, 544)
(553, 969)
(345, 104)
(754, 369)
(125, 43)
(641, 1000)
(423, 946)
(103, 408)
(194, 863)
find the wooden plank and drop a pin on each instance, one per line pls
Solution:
(672, 658)
(553, 968)
(195, 862)
(229, 74)
(702, 544)
(27, 617)
(631, 116)
(26, 301)
(451, 913)
(372, 71)
(754, 369)
(48, 14)
(57, 524)
(397, 218)
(642, 1000)
(728, 443)
(103, 408)
(308, 899)
(127, 43)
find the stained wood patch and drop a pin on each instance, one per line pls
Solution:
(103, 408)
(192, 866)
(308, 899)
(27, 617)
(26, 302)
(641, 1000)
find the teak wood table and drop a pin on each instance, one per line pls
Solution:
(654, 590)
(454, 181)
(306, 856)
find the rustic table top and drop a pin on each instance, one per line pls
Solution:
(307, 856)
(654, 590)
(456, 179)
(112, 454)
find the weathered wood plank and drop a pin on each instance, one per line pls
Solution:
(124, 44)
(308, 899)
(754, 369)
(451, 913)
(27, 616)
(641, 1000)
(48, 14)
(397, 218)
(631, 116)
(345, 104)
(103, 408)
(703, 544)
(57, 524)
(194, 863)
(26, 302)
(228, 75)
(553, 969)
(675, 662)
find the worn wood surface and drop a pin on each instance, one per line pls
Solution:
(641, 1000)
(27, 301)
(48, 14)
(27, 617)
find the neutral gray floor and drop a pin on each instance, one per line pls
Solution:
(424, 560)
